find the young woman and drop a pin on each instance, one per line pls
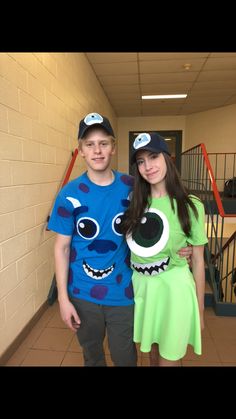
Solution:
(162, 218)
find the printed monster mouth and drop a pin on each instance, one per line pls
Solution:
(153, 268)
(97, 273)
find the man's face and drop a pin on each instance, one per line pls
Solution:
(97, 149)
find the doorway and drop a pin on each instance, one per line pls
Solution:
(174, 143)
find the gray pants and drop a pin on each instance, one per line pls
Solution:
(96, 320)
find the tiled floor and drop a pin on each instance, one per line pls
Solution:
(51, 343)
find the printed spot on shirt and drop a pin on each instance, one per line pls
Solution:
(83, 187)
(127, 180)
(63, 212)
(99, 292)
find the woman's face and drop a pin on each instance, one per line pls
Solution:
(152, 166)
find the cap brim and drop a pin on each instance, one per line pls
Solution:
(153, 150)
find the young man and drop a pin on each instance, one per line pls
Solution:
(93, 275)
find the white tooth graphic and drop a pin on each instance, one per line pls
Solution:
(151, 268)
(97, 273)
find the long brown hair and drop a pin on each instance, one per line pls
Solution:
(142, 193)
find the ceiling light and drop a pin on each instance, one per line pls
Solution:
(164, 96)
(187, 66)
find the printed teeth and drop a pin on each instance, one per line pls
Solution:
(151, 268)
(97, 273)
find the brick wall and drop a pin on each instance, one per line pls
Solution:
(42, 98)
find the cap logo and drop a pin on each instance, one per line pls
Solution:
(141, 140)
(93, 118)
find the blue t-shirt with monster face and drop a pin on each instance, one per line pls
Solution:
(99, 258)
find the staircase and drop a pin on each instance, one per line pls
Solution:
(206, 179)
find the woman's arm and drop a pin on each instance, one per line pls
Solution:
(198, 269)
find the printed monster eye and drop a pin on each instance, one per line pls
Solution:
(151, 235)
(116, 223)
(87, 228)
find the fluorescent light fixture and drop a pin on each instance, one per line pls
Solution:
(164, 96)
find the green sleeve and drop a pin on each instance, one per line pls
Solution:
(198, 235)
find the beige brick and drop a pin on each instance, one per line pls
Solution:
(35, 237)
(31, 151)
(32, 194)
(28, 309)
(5, 174)
(56, 121)
(63, 157)
(44, 76)
(52, 173)
(8, 279)
(41, 212)
(44, 280)
(14, 72)
(9, 94)
(24, 219)
(27, 173)
(45, 251)
(36, 89)
(59, 90)
(26, 265)
(55, 103)
(55, 138)
(48, 154)
(72, 115)
(18, 297)
(10, 147)
(48, 191)
(43, 116)
(28, 105)
(2, 314)
(29, 286)
(59, 57)
(11, 199)
(3, 119)
(6, 226)
(19, 124)
(27, 60)
(50, 63)
(39, 132)
(71, 129)
(39, 56)
(13, 249)
(10, 331)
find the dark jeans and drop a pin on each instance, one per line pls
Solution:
(96, 320)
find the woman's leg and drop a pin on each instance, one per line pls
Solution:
(154, 355)
(166, 363)
(156, 360)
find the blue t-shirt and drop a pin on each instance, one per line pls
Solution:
(99, 269)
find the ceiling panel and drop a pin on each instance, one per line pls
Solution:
(210, 81)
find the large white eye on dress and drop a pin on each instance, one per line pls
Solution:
(151, 235)
(116, 223)
(87, 228)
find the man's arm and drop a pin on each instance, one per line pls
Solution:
(186, 252)
(62, 256)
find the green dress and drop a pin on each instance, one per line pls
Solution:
(166, 306)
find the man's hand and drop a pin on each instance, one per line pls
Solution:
(69, 315)
(186, 252)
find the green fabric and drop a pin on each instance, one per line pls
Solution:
(166, 307)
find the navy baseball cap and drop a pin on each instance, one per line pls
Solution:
(150, 142)
(94, 119)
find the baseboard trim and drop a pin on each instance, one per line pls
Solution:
(23, 334)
